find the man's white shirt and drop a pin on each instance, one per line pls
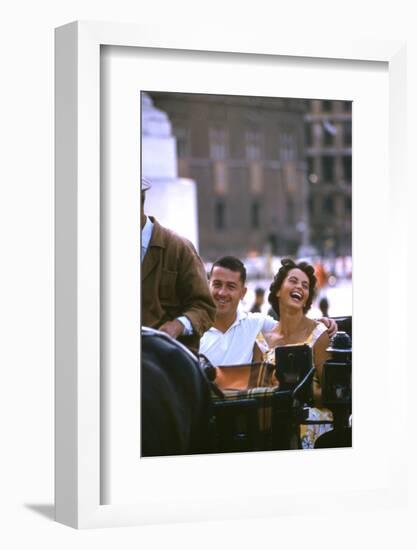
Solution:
(235, 346)
(146, 237)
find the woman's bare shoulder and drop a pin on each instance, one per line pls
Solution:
(312, 323)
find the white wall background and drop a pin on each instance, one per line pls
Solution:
(26, 275)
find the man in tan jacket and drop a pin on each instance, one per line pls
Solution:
(175, 293)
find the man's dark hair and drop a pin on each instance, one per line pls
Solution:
(286, 266)
(232, 263)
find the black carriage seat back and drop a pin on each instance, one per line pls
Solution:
(294, 370)
(344, 324)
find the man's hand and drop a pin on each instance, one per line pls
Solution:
(174, 328)
(330, 324)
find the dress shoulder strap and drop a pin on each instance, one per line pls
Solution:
(316, 333)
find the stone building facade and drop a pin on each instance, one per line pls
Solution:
(328, 147)
(254, 172)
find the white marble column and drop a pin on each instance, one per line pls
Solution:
(172, 200)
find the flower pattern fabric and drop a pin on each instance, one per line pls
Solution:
(308, 432)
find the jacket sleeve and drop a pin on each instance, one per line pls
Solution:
(193, 290)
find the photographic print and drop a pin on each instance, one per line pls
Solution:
(202, 414)
(246, 302)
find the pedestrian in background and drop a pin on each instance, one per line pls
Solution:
(324, 306)
(259, 300)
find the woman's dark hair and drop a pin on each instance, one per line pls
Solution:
(286, 265)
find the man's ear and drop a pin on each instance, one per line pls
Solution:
(244, 291)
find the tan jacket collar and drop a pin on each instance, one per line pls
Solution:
(150, 261)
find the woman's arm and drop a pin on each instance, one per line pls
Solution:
(320, 357)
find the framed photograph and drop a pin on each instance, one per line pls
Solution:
(260, 180)
(104, 73)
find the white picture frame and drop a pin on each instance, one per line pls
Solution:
(78, 292)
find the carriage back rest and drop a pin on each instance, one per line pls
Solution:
(344, 324)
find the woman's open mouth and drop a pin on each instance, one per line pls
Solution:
(296, 296)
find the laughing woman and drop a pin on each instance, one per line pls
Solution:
(291, 295)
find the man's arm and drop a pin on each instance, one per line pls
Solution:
(193, 290)
(330, 324)
(268, 324)
(320, 356)
(174, 328)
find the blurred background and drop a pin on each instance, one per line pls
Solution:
(258, 178)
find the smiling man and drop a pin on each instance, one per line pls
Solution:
(231, 340)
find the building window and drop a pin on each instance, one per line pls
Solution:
(310, 166)
(327, 168)
(326, 106)
(347, 168)
(328, 205)
(347, 133)
(287, 147)
(290, 211)
(218, 143)
(255, 215)
(253, 144)
(220, 177)
(183, 142)
(255, 177)
(348, 205)
(219, 215)
(311, 205)
(347, 106)
(308, 134)
(329, 133)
